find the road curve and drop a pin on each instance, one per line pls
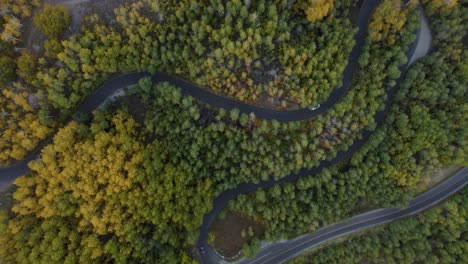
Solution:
(222, 199)
(280, 252)
(8, 174)
(20, 168)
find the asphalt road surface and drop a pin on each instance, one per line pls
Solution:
(367, 8)
(416, 50)
(280, 252)
(8, 174)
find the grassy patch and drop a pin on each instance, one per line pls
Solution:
(229, 233)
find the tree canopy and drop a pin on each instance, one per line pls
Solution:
(108, 196)
(434, 236)
(52, 20)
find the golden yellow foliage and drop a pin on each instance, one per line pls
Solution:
(20, 128)
(107, 194)
(315, 9)
(389, 19)
(96, 169)
(12, 11)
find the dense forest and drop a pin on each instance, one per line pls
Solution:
(231, 148)
(424, 129)
(244, 60)
(65, 214)
(435, 236)
(130, 182)
(306, 142)
(255, 49)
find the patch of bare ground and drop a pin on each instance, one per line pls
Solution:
(437, 176)
(34, 39)
(231, 232)
(274, 102)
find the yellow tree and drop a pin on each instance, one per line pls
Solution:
(20, 128)
(315, 9)
(389, 19)
(12, 11)
(98, 195)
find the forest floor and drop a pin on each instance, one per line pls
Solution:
(34, 39)
(228, 240)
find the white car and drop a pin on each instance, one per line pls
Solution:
(316, 107)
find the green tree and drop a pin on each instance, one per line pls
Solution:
(52, 48)
(52, 20)
(7, 70)
(27, 66)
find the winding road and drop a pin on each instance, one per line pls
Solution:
(8, 174)
(415, 51)
(279, 252)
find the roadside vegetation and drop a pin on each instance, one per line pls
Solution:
(259, 51)
(80, 218)
(130, 182)
(244, 60)
(434, 236)
(307, 142)
(424, 130)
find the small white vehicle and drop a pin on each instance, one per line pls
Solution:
(316, 107)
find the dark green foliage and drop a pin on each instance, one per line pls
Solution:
(250, 49)
(82, 117)
(114, 199)
(251, 249)
(435, 236)
(231, 148)
(188, 151)
(7, 70)
(425, 129)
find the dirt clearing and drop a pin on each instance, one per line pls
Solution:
(232, 232)
(34, 39)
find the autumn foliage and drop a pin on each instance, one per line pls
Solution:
(388, 19)
(315, 9)
(52, 20)
(439, 6)
(12, 12)
(18, 138)
(100, 195)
